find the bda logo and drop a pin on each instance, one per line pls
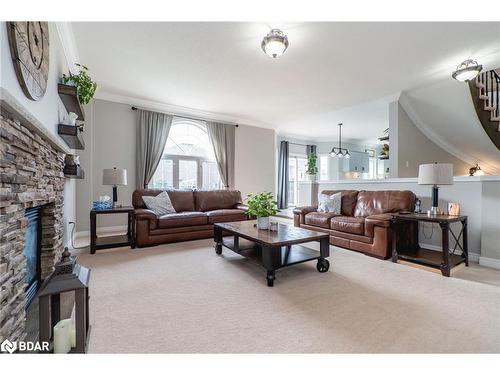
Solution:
(8, 346)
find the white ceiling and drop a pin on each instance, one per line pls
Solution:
(332, 72)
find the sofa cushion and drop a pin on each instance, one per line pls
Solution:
(381, 202)
(182, 200)
(349, 198)
(216, 199)
(319, 219)
(221, 216)
(330, 203)
(182, 219)
(160, 205)
(349, 224)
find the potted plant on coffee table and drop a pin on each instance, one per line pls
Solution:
(262, 205)
(312, 168)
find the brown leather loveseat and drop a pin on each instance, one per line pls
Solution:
(364, 222)
(196, 212)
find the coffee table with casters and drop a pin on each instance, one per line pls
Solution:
(272, 249)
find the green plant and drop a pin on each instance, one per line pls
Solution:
(262, 205)
(312, 168)
(84, 84)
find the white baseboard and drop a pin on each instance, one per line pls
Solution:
(489, 262)
(101, 230)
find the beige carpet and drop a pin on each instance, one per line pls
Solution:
(183, 298)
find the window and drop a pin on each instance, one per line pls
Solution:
(188, 160)
(323, 167)
(297, 167)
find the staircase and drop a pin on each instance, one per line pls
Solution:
(485, 91)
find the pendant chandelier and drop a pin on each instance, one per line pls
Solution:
(339, 151)
(467, 70)
(275, 43)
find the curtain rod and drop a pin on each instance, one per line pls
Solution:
(134, 108)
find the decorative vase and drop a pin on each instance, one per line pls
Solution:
(312, 177)
(263, 222)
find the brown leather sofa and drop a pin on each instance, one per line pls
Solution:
(196, 212)
(364, 224)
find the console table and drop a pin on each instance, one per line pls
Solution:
(107, 242)
(412, 252)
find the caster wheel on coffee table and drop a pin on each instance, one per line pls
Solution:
(323, 265)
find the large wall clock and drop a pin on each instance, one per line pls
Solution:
(29, 48)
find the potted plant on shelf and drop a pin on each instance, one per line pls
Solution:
(312, 168)
(83, 83)
(262, 205)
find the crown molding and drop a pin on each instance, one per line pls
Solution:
(178, 110)
(70, 50)
(445, 145)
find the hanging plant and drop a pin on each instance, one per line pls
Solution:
(84, 84)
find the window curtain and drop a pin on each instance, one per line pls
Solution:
(152, 134)
(283, 175)
(311, 149)
(222, 138)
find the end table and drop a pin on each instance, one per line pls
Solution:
(107, 242)
(412, 252)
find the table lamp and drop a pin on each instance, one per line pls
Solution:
(114, 177)
(435, 174)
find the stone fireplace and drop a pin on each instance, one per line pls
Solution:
(31, 175)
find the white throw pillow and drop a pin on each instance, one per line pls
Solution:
(330, 203)
(160, 205)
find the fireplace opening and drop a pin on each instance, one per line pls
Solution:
(32, 248)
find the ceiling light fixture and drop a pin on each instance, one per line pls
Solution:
(467, 70)
(339, 151)
(275, 43)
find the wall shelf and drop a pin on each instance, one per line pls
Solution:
(72, 135)
(74, 171)
(69, 97)
(383, 138)
(383, 158)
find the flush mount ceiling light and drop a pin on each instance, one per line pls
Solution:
(339, 151)
(467, 70)
(275, 43)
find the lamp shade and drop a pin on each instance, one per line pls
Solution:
(114, 176)
(435, 174)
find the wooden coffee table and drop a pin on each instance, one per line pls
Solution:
(272, 250)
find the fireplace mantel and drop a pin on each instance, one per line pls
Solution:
(26, 118)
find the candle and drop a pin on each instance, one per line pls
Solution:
(72, 335)
(62, 342)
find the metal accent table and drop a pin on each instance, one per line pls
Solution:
(107, 242)
(411, 251)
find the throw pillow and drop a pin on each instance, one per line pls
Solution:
(160, 205)
(330, 203)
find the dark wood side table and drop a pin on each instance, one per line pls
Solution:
(412, 252)
(107, 242)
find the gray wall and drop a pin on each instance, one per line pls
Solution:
(110, 139)
(414, 148)
(49, 110)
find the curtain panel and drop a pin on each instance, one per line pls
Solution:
(311, 149)
(283, 175)
(222, 138)
(152, 134)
